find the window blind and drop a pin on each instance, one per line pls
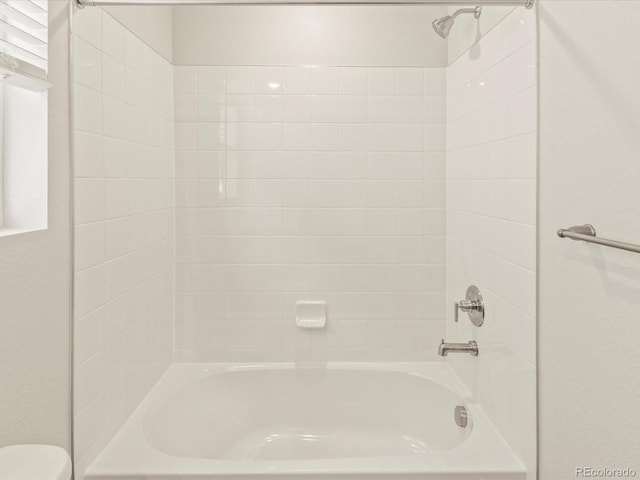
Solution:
(23, 38)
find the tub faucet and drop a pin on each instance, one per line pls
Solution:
(470, 347)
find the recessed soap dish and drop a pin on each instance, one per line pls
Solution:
(311, 314)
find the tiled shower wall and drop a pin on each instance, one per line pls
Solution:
(491, 222)
(124, 234)
(299, 183)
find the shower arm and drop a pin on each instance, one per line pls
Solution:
(513, 3)
(476, 11)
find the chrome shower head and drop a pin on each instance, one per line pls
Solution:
(443, 25)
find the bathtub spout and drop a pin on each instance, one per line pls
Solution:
(470, 347)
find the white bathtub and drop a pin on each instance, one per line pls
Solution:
(338, 421)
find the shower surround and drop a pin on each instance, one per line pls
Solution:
(309, 183)
(242, 187)
(491, 222)
(124, 233)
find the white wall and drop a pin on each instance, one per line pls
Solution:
(124, 236)
(468, 31)
(35, 371)
(298, 183)
(491, 222)
(588, 295)
(380, 36)
(153, 24)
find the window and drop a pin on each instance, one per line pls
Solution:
(23, 115)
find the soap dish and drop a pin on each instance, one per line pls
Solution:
(311, 314)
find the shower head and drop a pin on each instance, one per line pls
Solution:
(443, 25)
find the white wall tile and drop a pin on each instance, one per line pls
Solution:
(435, 81)
(295, 108)
(87, 109)
(113, 38)
(89, 150)
(209, 80)
(382, 137)
(134, 52)
(89, 200)
(239, 80)
(123, 166)
(323, 108)
(89, 245)
(239, 108)
(293, 211)
(382, 109)
(410, 138)
(324, 80)
(267, 108)
(89, 379)
(296, 80)
(353, 108)
(353, 80)
(186, 80)
(491, 206)
(89, 27)
(268, 80)
(410, 81)
(295, 136)
(382, 81)
(408, 110)
(87, 65)
(434, 106)
(323, 136)
(113, 77)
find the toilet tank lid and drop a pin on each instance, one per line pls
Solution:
(34, 462)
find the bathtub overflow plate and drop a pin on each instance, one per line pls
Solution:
(460, 416)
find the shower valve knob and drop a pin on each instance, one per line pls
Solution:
(473, 305)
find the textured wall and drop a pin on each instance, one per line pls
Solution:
(589, 169)
(491, 222)
(298, 183)
(35, 283)
(124, 237)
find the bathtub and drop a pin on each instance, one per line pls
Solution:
(286, 421)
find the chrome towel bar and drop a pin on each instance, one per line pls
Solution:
(587, 233)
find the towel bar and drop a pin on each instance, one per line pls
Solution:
(587, 233)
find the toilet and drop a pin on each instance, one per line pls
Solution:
(34, 462)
